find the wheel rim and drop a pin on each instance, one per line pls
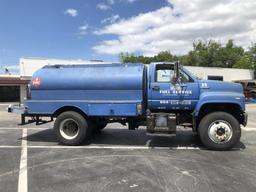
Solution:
(220, 132)
(69, 129)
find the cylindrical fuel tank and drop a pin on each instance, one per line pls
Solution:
(89, 77)
(89, 82)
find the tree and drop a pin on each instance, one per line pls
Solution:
(243, 63)
(248, 60)
(231, 54)
(252, 55)
(213, 54)
(162, 56)
(206, 54)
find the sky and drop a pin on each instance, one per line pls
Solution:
(101, 29)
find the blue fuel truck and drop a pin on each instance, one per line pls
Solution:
(162, 96)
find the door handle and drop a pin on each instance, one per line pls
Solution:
(156, 88)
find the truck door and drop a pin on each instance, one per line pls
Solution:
(166, 95)
(188, 91)
(161, 95)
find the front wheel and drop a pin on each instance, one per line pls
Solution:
(71, 128)
(219, 131)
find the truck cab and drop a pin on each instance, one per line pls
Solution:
(214, 109)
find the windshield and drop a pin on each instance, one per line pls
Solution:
(192, 76)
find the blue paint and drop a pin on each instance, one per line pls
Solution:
(98, 90)
(214, 92)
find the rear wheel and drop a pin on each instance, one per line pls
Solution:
(219, 131)
(71, 128)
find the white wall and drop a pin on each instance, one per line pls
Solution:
(23, 93)
(29, 65)
(228, 74)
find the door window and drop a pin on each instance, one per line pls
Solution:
(164, 73)
(184, 78)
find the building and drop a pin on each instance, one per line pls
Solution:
(29, 65)
(221, 74)
(12, 88)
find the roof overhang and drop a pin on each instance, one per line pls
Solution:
(12, 80)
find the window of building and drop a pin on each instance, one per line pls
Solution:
(9, 93)
(215, 77)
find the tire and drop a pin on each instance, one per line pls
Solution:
(219, 131)
(72, 128)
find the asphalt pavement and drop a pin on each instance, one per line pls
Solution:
(121, 160)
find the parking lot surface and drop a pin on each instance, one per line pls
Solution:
(121, 160)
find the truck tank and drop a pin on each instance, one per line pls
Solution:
(88, 85)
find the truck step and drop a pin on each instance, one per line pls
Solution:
(157, 134)
(162, 129)
(161, 123)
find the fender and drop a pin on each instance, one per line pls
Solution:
(220, 97)
(52, 106)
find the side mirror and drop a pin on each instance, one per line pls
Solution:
(176, 72)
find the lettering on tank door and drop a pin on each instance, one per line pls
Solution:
(177, 104)
(175, 92)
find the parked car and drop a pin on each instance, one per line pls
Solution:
(249, 88)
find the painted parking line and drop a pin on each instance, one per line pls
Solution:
(23, 171)
(179, 148)
(250, 110)
(20, 128)
(45, 128)
(6, 104)
(248, 129)
(99, 147)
